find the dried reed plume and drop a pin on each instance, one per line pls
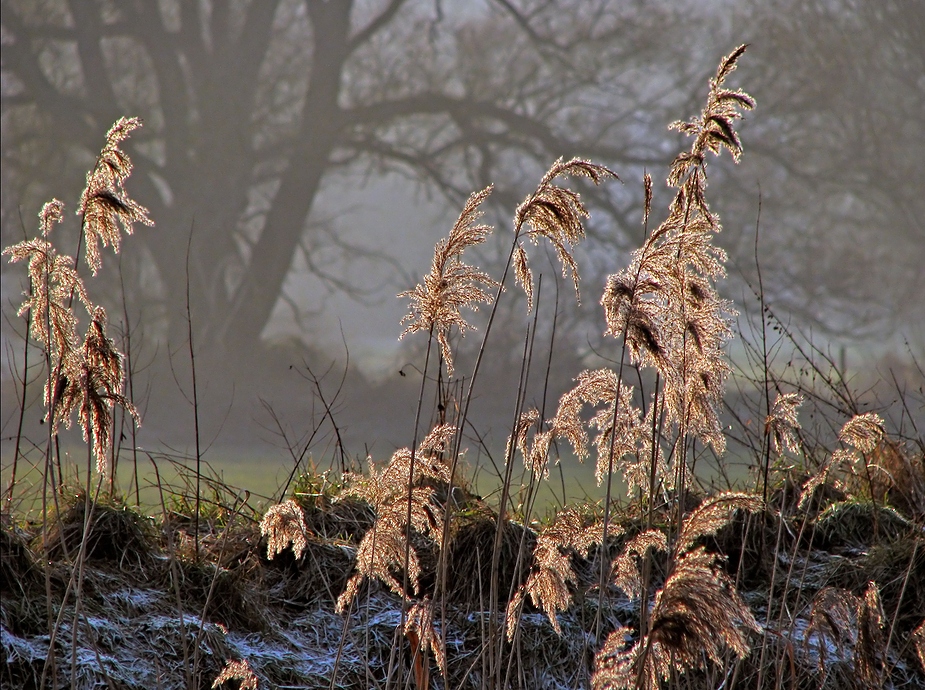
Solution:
(620, 429)
(557, 214)
(420, 631)
(548, 582)
(712, 515)
(451, 284)
(832, 616)
(86, 376)
(90, 382)
(382, 550)
(638, 470)
(782, 423)
(618, 668)
(846, 620)
(862, 433)
(536, 454)
(664, 304)
(282, 525)
(54, 281)
(697, 612)
(237, 670)
(626, 567)
(104, 204)
(918, 640)
(870, 650)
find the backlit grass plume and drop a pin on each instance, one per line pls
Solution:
(918, 640)
(54, 282)
(712, 515)
(699, 610)
(104, 204)
(853, 625)
(536, 452)
(451, 284)
(863, 431)
(86, 374)
(697, 615)
(782, 423)
(420, 631)
(548, 583)
(557, 214)
(618, 423)
(381, 552)
(860, 434)
(284, 525)
(626, 573)
(90, 383)
(240, 671)
(664, 304)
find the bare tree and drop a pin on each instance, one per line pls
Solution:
(839, 155)
(251, 107)
(254, 109)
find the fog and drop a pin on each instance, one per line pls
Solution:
(311, 154)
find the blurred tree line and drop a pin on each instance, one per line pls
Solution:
(254, 110)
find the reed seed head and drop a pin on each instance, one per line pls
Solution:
(104, 203)
(782, 423)
(556, 214)
(284, 525)
(451, 284)
(240, 671)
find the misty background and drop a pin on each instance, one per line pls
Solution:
(310, 154)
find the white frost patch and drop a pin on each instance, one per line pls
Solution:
(136, 600)
(15, 647)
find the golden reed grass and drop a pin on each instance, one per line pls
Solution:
(86, 374)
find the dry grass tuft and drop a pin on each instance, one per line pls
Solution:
(115, 534)
(470, 556)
